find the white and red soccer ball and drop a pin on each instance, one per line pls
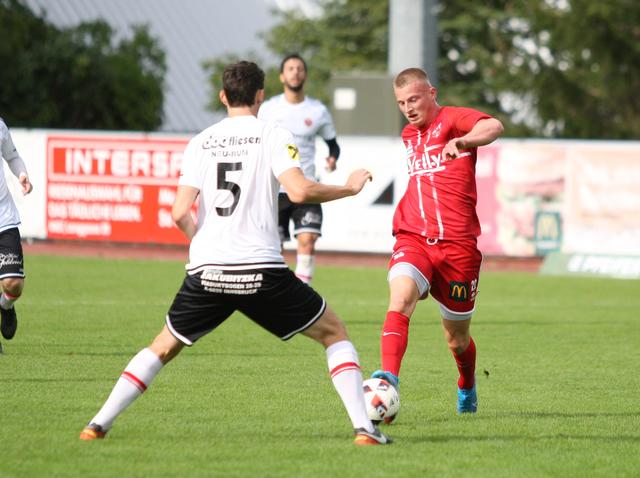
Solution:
(382, 400)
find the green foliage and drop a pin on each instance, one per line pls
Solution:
(350, 35)
(216, 66)
(545, 68)
(561, 69)
(78, 77)
(596, 95)
(560, 399)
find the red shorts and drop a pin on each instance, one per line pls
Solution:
(451, 268)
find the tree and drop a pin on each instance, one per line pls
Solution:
(555, 68)
(78, 77)
(216, 66)
(350, 35)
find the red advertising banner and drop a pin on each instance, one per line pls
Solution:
(113, 189)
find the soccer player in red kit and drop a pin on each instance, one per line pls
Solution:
(436, 227)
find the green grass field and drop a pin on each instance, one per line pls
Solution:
(561, 397)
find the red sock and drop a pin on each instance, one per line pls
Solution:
(393, 343)
(466, 363)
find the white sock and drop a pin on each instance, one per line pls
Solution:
(305, 266)
(132, 383)
(347, 379)
(6, 300)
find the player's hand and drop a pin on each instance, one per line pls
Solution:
(331, 164)
(450, 150)
(357, 180)
(27, 187)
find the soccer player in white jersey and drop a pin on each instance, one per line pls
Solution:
(306, 118)
(235, 263)
(12, 263)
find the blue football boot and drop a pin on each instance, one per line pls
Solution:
(388, 376)
(467, 400)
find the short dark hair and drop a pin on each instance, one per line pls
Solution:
(292, 56)
(409, 76)
(241, 81)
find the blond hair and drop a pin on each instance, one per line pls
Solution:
(409, 76)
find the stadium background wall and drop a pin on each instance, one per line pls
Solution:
(534, 196)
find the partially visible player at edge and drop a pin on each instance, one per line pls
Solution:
(235, 263)
(12, 264)
(306, 118)
(436, 227)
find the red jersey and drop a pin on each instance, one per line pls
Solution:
(440, 200)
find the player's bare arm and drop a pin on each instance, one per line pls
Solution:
(181, 211)
(484, 132)
(303, 190)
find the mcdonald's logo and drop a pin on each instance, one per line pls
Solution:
(458, 291)
(548, 227)
(548, 231)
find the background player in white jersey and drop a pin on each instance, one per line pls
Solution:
(12, 262)
(236, 167)
(306, 118)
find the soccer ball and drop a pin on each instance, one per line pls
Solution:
(382, 400)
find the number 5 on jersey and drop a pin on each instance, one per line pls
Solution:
(234, 188)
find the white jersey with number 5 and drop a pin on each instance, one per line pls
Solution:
(235, 164)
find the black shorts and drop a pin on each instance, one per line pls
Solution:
(306, 217)
(275, 299)
(11, 258)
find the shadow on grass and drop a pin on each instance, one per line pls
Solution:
(538, 415)
(570, 414)
(515, 438)
(53, 380)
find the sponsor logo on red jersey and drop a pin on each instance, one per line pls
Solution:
(426, 163)
(458, 291)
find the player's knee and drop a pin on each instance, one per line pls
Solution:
(458, 343)
(328, 329)
(402, 303)
(457, 348)
(166, 346)
(404, 291)
(307, 242)
(13, 286)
